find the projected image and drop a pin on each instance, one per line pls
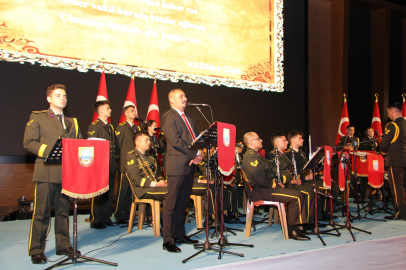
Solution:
(229, 42)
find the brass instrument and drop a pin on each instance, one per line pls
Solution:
(238, 166)
(144, 165)
(278, 173)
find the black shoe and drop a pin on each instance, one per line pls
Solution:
(110, 223)
(121, 222)
(171, 247)
(241, 214)
(298, 236)
(67, 252)
(185, 240)
(98, 226)
(39, 258)
(393, 217)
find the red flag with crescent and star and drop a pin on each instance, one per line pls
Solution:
(101, 94)
(130, 100)
(376, 121)
(404, 106)
(344, 122)
(153, 109)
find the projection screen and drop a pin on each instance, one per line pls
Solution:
(229, 42)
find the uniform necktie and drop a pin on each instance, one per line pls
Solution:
(60, 119)
(188, 127)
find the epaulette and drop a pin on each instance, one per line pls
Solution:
(123, 123)
(132, 151)
(251, 152)
(95, 122)
(273, 152)
(44, 111)
(288, 150)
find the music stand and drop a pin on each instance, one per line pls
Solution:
(55, 158)
(206, 140)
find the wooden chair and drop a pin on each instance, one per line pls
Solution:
(272, 212)
(156, 210)
(197, 201)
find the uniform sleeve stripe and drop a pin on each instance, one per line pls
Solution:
(143, 182)
(76, 127)
(41, 150)
(395, 137)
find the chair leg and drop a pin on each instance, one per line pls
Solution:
(141, 215)
(276, 215)
(156, 211)
(248, 218)
(244, 203)
(271, 213)
(131, 221)
(284, 225)
(198, 211)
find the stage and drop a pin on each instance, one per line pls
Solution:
(384, 248)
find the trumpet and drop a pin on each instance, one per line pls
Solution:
(144, 165)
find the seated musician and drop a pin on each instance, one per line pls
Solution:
(142, 170)
(350, 139)
(265, 187)
(286, 168)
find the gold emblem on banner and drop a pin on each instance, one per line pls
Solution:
(86, 156)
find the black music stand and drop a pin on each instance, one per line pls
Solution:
(55, 158)
(206, 140)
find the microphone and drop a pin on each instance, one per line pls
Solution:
(196, 104)
(155, 129)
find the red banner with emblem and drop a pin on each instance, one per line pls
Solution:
(341, 171)
(85, 168)
(328, 152)
(226, 147)
(361, 162)
(376, 170)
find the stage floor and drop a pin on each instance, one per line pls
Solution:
(140, 250)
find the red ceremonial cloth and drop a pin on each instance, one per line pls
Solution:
(262, 152)
(226, 147)
(85, 167)
(361, 163)
(376, 170)
(341, 172)
(327, 167)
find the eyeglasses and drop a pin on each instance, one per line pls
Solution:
(256, 139)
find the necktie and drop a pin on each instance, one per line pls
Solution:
(188, 127)
(60, 119)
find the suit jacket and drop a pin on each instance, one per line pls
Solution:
(178, 138)
(394, 143)
(98, 129)
(125, 139)
(136, 175)
(41, 133)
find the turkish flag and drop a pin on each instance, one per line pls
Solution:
(85, 167)
(376, 121)
(404, 108)
(153, 109)
(130, 100)
(344, 122)
(101, 94)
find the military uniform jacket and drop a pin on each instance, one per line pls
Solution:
(258, 171)
(98, 129)
(285, 165)
(349, 140)
(41, 133)
(301, 161)
(178, 139)
(125, 139)
(394, 143)
(136, 174)
(369, 145)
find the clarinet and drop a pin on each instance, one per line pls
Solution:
(294, 163)
(278, 173)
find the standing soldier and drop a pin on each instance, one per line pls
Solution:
(394, 147)
(125, 137)
(42, 131)
(101, 205)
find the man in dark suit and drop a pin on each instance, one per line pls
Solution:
(101, 205)
(125, 137)
(42, 131)
(394, 147)
(180, 164)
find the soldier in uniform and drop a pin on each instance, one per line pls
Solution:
(125, 137)
(369, 143)
(101, 205)
(42, 131)
(285, 167)
(350, 139)
(142, 170)
(265, 187)
(394, 147)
